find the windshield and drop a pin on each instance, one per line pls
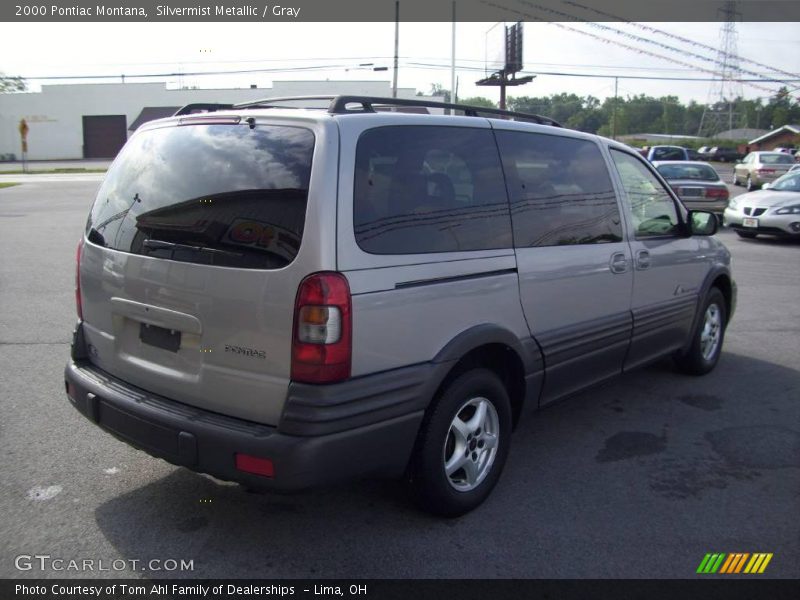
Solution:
(226, 195)
(698, 172)
(788, 183)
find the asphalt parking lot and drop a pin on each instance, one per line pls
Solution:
(640, 478)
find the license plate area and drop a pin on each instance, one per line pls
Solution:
(166, 339)
(691, 192)
(749, 222)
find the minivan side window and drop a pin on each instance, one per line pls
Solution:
(422, 189)
(560, 190)
(650, 205)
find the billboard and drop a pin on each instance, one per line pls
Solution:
(503, 48)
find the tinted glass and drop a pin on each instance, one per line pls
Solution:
(224, 195)
(429, 189)
(777, 159)
(560, 190)
(651, 207)
(668, 153)
(698, 172)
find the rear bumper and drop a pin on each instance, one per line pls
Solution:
(208, 442)
(715, 206)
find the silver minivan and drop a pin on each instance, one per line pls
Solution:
(287, 297)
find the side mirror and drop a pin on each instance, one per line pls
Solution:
(702, 222)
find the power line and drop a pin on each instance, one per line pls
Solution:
(640, 39)
(407, 64)
(611, 41)
(676, 37)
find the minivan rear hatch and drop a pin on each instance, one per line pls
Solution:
(187, 274)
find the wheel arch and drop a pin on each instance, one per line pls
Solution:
(720, 278)
(517, 363)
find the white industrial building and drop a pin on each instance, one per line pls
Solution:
(94, 120)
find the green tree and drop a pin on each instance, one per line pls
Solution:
(12, 84)
(437, 89)
(477, 101)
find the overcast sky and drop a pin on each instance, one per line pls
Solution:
(335, 51)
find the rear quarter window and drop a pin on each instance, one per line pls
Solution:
(225, 195)
(423, 189)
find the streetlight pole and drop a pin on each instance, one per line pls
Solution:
(396, 45)
(453, 98)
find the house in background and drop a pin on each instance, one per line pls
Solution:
(782, 137)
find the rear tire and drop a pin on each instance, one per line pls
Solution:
(748, 235)
(462, 444)
(707, 337)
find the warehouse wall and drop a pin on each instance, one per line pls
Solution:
(55, 115)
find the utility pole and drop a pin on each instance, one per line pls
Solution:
(453, 98)
(614, 111)
(396, 45)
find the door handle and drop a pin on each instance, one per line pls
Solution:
(642, 259)
(618, 262)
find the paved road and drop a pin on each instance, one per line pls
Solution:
(639, 478)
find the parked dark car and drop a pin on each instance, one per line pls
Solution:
(721, 154)
(694, 154)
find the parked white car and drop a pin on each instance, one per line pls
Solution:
(773, 210)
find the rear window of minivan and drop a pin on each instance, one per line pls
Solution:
(218, 194)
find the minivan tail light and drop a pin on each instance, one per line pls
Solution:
(322, 331)
(78, 301)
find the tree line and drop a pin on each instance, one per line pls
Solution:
(647, 114)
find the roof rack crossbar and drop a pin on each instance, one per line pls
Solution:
(201, 106)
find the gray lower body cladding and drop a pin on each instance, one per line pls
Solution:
(208, 442)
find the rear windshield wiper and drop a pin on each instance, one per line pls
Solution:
(172, 246)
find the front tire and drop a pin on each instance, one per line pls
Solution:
(735, 179)
(707, 337)
(462, 445)
(750, 185)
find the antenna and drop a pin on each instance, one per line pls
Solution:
(718, 114)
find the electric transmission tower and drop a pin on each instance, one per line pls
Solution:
(718, 114)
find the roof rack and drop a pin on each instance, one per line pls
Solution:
(339, 105)
(201, 107)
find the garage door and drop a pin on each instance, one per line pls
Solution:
(103, 136)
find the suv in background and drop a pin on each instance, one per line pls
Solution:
(288, 297)
(667, 153)
(721, 154)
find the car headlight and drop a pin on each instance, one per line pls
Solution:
(733, 203)
(789, 210)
